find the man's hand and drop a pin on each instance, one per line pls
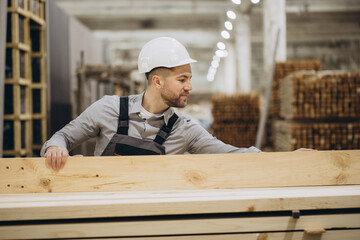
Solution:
(56, 157)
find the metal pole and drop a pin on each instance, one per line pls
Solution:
(264, 113)
(3, 19)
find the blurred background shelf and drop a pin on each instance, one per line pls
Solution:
(25, 115)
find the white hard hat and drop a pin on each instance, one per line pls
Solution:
(163, 52)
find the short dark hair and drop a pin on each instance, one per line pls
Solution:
(154, 71)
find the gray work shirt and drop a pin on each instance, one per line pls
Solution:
(100, 120)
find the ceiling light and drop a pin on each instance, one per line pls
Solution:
(220, 45)
(215, 64)
(210, 77)
(225, 34)
(212, 71)
(231, 14)
(216, 58)
(225, 53)
(238, 2)
(220, 53)
(255, 1)
(228, 25)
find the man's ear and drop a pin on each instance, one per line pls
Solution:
(156, 81)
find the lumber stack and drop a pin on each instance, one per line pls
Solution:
(321, 110)
(282, 69)
(297, 195)
(290, 136)
(236, 118)
(320, 95)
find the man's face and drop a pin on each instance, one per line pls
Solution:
(177, 85)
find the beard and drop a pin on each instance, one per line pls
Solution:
(173, 100)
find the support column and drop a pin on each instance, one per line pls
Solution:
(274, 51)
(274, 20)
(243, 52)
(230, 69)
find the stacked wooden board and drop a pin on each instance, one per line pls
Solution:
(25, 79)
(291, 135)
(223, 196)
(321, 110)
(282, 69)
(236, 118)
(320, 95)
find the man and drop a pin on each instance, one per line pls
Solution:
(142, 124)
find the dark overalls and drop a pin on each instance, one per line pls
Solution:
(121, 144)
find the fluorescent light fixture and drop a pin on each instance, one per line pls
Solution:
(220, 45)
(228, 25)
(231, 14)
(210, 77)
(216, 58)
(238, 2)
(255, 1)
(225, 34)
(215, 64)
(225, 53)
(221, 53)
(212, 70)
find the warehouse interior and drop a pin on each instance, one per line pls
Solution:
(72, 53)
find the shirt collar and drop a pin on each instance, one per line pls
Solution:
(135, 106)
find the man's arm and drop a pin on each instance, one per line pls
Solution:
(201, 141)
(56, 149)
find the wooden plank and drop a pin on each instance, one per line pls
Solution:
(175, 226)
(124, 204)
(175, 172)
(328, 235)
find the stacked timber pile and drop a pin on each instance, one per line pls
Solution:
(321, 110)
(236, 118)
(291, 135)
(282, 69)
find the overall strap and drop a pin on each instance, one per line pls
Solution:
(123, 121)
(165, 130)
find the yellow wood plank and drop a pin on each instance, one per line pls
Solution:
(38, 54)
(123, 204)
(16, 117)
(175, 172)
(20, 46)
(328, 235)
(37, 19)
(175, 227)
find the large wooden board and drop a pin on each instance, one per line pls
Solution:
(177, 226)
(328, 235)
(176, 172)
(15, 207)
